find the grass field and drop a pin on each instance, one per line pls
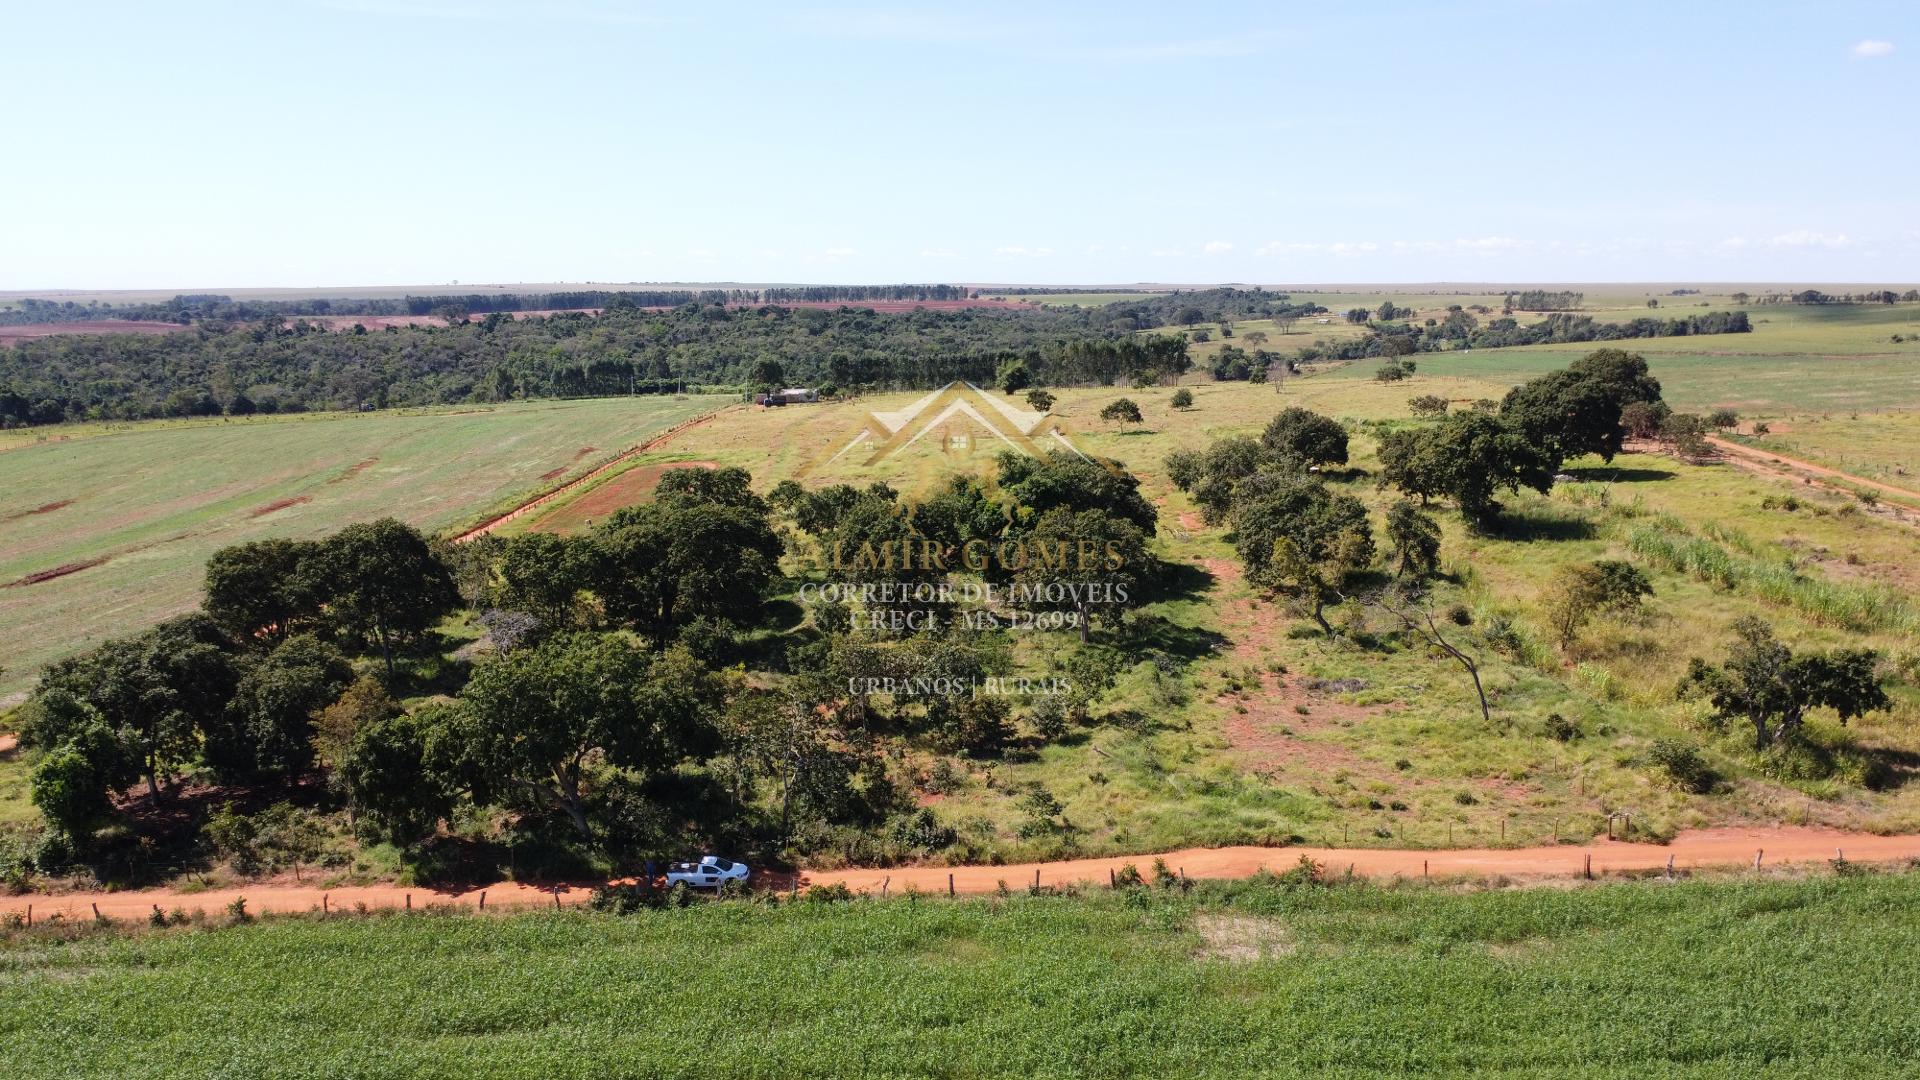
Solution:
(154, 501)
(1732, 978)
(1239, 754)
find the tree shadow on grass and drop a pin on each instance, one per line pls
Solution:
(1609, 474)
(1525, 527)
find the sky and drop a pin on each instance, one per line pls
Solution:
(306, 143)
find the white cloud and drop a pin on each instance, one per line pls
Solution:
(1020, 251)
(1871, 48)
(1806, 238)
(937, 253)
(1488, 243)
(839, 252)
(1216, 247)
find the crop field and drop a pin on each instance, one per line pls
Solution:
(1726, 978)
(107, 531)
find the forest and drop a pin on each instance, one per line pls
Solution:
(238, 369)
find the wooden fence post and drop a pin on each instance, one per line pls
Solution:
(323, 903)
(949, 886)
(1756, 857)
(409, 901)
(1669, 867)
(884, 882)
(1036, 877)
(483, 899)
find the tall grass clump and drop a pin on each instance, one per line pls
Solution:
(1861, 608)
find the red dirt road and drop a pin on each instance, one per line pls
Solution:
(1781, 463)
(1734, 847)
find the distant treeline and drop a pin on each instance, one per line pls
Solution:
(1461, 330)
(189, 308)
(827, 294)
(1543, 300)
(239, 368)
(1207, 306)
(1815, 296)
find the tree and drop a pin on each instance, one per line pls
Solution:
(1122, 409)
(395, 772)
(1469, 456)
(1764, 684)
(1084, 562)
(1295, 534)
(1183, 398)
(1039, 400)
(534, 725)
(383, 585)
(1062, 479)
(1413, 539)
(1428, 405)
(156, 691)
(1644, 419)
(1214, 474)
(1306, 438)
(704, 548)
(544, 575)
(262, 591)
(1578, 409)
(767, 372)
(72, 785)
(792, 742)
(1723, 419)
(268, 726)
(1013, 377)
(363, 704)
(1580, 591)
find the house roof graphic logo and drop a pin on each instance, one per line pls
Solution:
(888, 433)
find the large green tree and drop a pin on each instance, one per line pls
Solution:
(536, 725)
(384, 587)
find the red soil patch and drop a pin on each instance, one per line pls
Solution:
(279, 504)
(630, 487)
(60, 571)
(47, 509)
(355, 469)
(584, 451)
(552, 496)
(554, 474)
(11, 334)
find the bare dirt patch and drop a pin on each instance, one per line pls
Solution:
(278, 504)
(47, 509)
(354, 470)
(10, 335)
(60, 571)
(630, 487)
(1242, 938)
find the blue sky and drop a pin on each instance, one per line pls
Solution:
(331, 142)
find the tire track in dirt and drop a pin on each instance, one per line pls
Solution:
(554, 494)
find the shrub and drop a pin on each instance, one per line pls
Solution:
(1561, 729)
(1683, 764)
(1183, 398)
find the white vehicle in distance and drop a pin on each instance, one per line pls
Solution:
(710, 872)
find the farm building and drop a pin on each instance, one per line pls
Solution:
(790, 396)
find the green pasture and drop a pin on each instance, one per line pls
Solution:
(155, 501)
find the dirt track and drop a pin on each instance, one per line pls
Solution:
(548, 497)
(1782, 465)
(1692, 850)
